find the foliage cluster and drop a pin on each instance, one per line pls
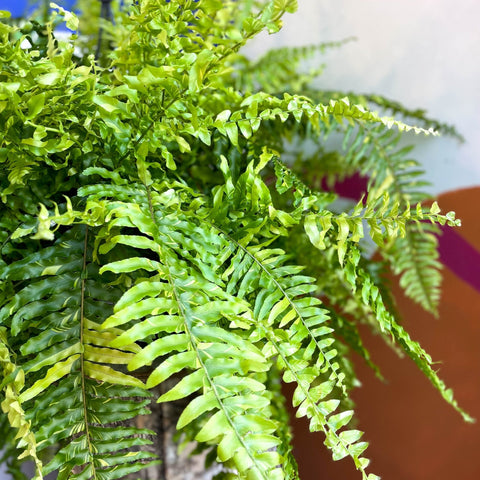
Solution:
(157, 219)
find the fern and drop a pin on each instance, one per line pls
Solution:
(370, 296)
(400, 177)
(12, 407)
(57, 306)
(279, 70)
(418, 116)
(183, 308)
(152, 226)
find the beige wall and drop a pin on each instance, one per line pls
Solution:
(423, 53)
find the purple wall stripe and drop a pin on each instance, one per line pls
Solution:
(352, 187)
(460, 257)
(456, 253)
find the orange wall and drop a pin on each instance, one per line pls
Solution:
(424, 439)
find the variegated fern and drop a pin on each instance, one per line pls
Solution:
(151, 221)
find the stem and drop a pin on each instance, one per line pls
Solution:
(105, 14)
(82, 355)
(45, 10)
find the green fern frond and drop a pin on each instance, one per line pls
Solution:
(295, 330)
(180, 310)
(395, 108)
(153, 226)
(165, 305)
(387, 226)
(278, 70)
(336, 110)
(276, 307)
(415, 259)
(366, 291)
(245, 118)
(12, 406)
(400, 177)
(70, 369)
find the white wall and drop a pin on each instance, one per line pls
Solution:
(423, 53)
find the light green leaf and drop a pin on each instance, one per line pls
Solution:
(149, 306)
(103, 373)
(131, 265)
(197, 407)
(172, 364)
(228, 446)
(216, 426)
(109, 104)
(55, 373)
(35, 105)
(71, 19)
(48, 79)
(232, 132)
(159, 347)
(199, 69)
(186, 386)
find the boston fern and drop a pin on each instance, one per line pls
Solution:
(163, 223)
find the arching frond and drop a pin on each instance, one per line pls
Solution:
(369, 293)
(418, 116)
(178, 308)
(280, 69)
(401, 177)
(72, 376)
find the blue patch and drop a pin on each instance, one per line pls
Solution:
(23, 8)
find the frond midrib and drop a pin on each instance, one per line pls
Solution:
(187, 323)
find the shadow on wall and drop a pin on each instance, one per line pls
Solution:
(413, 433)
